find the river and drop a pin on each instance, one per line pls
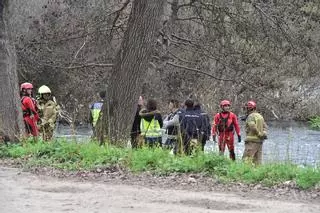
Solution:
(288, 141)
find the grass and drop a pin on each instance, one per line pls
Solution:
(315, 122)
(90, 156)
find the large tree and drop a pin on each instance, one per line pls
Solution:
(10, 113)
(131, 63)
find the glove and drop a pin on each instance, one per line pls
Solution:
(239, 138)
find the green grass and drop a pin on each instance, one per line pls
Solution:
(315, 122)
(89, 156)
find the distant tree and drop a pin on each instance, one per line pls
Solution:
(10, 113)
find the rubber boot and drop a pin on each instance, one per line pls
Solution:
(232, 155)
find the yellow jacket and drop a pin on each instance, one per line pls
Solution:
(256, 128)
(48, 113)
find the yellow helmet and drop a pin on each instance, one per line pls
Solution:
(44, 89)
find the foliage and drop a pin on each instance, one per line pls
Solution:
(263, 50)
(315, 122)
(90, 156)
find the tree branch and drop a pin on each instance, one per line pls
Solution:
(199, 71)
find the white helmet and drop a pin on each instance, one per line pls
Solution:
(44, 89)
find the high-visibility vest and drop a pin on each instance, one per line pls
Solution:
(150, 129)
(95, 112)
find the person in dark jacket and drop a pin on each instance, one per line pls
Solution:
(151, 124)
(135, 130)
(191, 125)
(206, 126)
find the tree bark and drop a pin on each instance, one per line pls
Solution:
(10, 109)
(130, 67)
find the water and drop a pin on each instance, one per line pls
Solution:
(294, 142)
(81, 133)
(287, 141)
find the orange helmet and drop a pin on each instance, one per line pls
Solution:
(224, 103)
(26, 85)
(251, 105)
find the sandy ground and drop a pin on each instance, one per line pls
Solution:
(25, 192)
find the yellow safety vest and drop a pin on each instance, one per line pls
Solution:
(95, 112)
(150, 129)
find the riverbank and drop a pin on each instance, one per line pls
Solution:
(90, 157)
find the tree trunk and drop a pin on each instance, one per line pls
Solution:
(130, 67)
(10, 113)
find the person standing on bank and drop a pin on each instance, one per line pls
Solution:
(191, 126)
(172, 125)
(206, 126)
(135, 129)
(151, 124)
(225, 124)
(95, 111)
(256, 133)
(48, 111)
(29, 109)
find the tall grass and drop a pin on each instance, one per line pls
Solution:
(89, 156)
(315, 122)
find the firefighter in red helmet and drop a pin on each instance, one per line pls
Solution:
(224, 125)
(29, 109)
(256, 133)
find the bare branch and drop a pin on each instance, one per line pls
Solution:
(88, 65)
(180, 59)
(198, 71)
(118, 13)
(84, 43)
(285, 34)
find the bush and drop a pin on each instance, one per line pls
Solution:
(315, 122)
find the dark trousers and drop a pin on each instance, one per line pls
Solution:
(153, 141)
(134, 141)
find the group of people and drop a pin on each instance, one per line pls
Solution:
(40, 114)
(188, 128)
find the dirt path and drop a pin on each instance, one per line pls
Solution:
(26, 192)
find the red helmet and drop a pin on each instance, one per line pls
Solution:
(224, 103)
(26, 85)
(251, 105)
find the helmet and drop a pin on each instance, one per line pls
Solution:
(251, 105)
(26, 85)
(44, 89)
(224, 103)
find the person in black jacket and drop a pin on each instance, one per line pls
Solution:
(191, 126)
(135, 130)
(205, 124)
